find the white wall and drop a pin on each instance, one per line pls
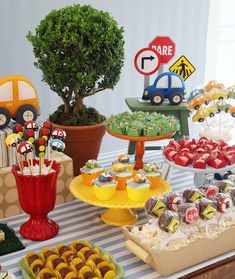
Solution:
(185, 21)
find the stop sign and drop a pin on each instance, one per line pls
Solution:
(165, 47)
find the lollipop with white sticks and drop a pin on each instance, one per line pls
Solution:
(56, 145)
(214, 110)
(58, 134)
(12, 141)
(25, 148)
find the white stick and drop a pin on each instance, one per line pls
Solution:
(18, 159)
(52, 160)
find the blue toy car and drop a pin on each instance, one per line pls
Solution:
(166, 85)
(191, 95)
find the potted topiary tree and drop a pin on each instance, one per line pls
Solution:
(80, 51)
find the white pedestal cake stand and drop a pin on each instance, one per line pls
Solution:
(199, 174)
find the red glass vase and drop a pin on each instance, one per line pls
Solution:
(37, 195)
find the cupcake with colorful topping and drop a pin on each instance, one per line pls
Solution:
(121, 174)
(153, 174)
(104, 187)
(91, 171)
(125, 160)
(138, 188)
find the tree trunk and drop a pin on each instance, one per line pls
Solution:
(66, 104)
(66, 108)
(78, 105)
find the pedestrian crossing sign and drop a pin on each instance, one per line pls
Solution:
(183, 67)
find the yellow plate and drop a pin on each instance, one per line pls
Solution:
(120, 200)
(121, 210)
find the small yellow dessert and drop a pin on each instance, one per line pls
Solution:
(138, 188)
(104, 187)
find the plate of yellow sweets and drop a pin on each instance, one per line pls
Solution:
(77, 260)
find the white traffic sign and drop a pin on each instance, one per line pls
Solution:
(147, 61)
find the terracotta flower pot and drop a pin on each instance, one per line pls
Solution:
(82, 143)
(37, 195)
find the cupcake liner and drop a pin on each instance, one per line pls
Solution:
(88, 177)
(104, 193)
(136, 194)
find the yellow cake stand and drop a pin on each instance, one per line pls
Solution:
(121, 210)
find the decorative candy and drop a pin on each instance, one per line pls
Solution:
(188, 212)
(191, 95)
(29, 135)
(209, 190)
(225, 186)
(45, 133)
(140, 178)
(57, 145)
(13, 140)
(18, 129)
(105, 177)
(47, 125)
(231, 110)
(203, 113)
(217, 163)
(119, 167)
(123, 158)
(134, 131)
(150, 167)
(200, 153)
(181, 160)
(224, 202)
(91, 164)
(25, 148)
(40, 147)
(198, 101)
(155, 206)
(31, 125)
(172, 200)
(213, 84)
(191, 195)
(207, 208)
(169, 221)
(142, 124)
(58, 134)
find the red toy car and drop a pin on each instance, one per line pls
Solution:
(24, 148)
(58, 134)
(31, 125)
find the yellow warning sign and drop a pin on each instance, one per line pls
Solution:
(183, 67)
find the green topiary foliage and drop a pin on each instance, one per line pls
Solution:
(80, 51)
